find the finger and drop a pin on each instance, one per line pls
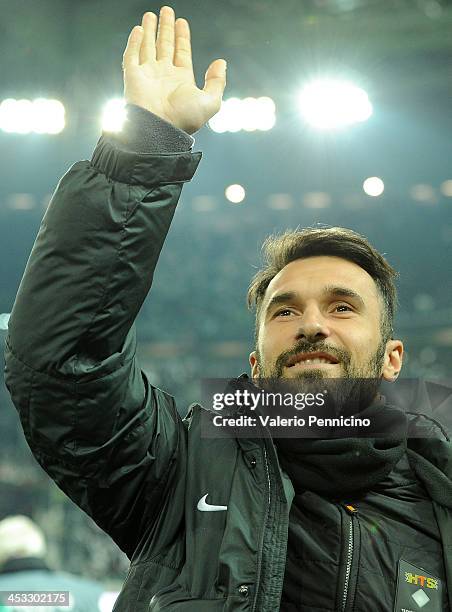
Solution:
(131, 55)
(182, 53)
(149, 24)
(215, 80)
(165, 34)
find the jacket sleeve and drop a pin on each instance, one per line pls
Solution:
(107, 437)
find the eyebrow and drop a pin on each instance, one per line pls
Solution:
(336, 291)
(331, 290)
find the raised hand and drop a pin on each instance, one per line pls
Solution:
(158, 73)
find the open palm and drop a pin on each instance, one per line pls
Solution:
(158, 73)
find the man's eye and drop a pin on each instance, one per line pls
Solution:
(282, 311)
(343, 308)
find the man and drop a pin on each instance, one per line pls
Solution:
(216, 524)
(23, 568)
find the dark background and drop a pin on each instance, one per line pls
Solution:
(196, 324)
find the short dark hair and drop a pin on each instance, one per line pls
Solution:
(280, 250)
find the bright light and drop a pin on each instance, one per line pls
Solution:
(446, 188)
(16, 116)
(249, 114)
(373, 186)
(41, 116)
(317, 199)
(4, 318)
(280, 201)
(264, 113)
(331, 103)
(114, 115)
(48, 116)
(235, 193)
(423, 193)
(107, 601)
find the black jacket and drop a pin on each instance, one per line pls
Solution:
(118, 447)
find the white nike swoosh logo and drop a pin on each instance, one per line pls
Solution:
(205, 507)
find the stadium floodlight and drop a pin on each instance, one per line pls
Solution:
(48, 116)
(114, 115)
(41, 116)
(446, 188)
(249, 114)
(333, 103)
(15, 116)
(423, 193)
(317, 199)
(373, 186)
(235, 193)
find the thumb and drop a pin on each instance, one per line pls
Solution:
(215, 79)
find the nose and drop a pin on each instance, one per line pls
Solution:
(312, 326)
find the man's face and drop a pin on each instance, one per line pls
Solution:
(321, 318)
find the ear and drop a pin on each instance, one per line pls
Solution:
(393, 360)
(255, 371)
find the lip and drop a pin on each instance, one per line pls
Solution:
(300, 357)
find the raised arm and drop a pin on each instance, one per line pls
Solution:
(108, 438)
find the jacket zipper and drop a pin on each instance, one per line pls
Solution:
(259, 567)
(350, 510)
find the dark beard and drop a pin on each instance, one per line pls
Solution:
(350, 394)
